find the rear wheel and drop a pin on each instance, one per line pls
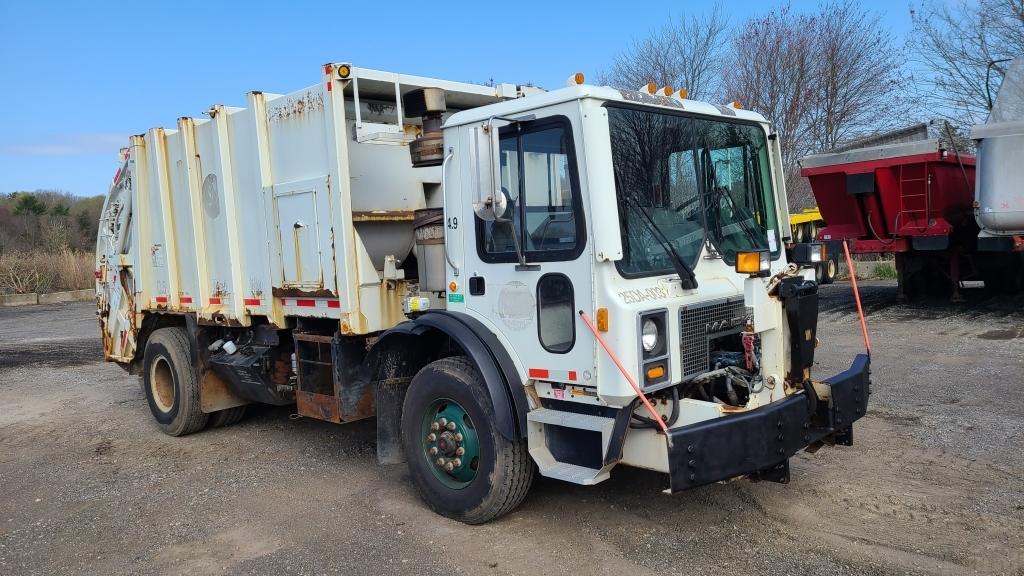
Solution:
(226, 417)
(171, 384)
(461, 465)
(830, 269)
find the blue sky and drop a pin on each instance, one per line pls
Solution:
(77, 77)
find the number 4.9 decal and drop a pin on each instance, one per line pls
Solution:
(453, 222)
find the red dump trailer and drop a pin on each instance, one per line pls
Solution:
(912, 197)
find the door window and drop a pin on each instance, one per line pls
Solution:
(556, 320)
(538, 173)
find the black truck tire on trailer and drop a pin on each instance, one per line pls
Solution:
(171, 384)
(496, 473)
(829, 270)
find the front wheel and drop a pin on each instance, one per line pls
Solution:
(461, 465)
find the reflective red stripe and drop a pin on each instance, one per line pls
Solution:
(538, 373)
(310, 303)
(214, 300)
(252, 301)
(572, 374)
(334, 303)
(161, 299)
(186, 299)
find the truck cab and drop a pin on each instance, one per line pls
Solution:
(638, 209)
(600, 279)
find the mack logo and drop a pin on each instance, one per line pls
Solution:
(725, 324)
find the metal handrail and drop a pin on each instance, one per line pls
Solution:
(444, 199)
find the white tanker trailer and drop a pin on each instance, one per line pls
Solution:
(508, 279)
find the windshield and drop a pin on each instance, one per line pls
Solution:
(698, 180)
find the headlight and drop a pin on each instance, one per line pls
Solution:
(808, 253)
(649, 335)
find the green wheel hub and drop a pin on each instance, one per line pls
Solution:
(450, 443)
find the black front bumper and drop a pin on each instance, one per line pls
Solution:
(763, 439)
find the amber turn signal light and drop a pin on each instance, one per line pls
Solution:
(655, 372)
(753, 262)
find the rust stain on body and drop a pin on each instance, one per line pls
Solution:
(291, 292)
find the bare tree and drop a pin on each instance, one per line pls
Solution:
(688, 52)
(953, 45)
(857, 79)
(820, 79)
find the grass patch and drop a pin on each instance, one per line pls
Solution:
(28, 271)
(885, 270)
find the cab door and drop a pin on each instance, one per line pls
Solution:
(533, 307)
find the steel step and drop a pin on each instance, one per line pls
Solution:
(573, 473)
(569, 419)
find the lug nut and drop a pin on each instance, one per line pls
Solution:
(431, 437)
(443, 422)
(433, 450)
(439, 462)
(458, 436)
(449, 467)
(456, 463)
(460, 451)
(435, 426)
(451, 426)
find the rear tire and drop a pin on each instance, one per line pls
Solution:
(226, 417)
(171, 384)
(494, 473)
(830, 269)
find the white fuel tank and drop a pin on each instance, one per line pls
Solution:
(1000, 168)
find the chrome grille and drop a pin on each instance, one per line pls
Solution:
(698, 322)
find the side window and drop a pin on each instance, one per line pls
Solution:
(556, 321)
(538, 171)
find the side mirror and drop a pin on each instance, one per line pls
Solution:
(490, 201)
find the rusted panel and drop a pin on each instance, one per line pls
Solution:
(319, 406)
(357, 400)
(311, 101)
(383, 216)
(215, 395)
(291, 292)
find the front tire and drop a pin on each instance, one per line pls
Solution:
(171, 384)
(461, 465)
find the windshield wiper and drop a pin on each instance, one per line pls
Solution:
(686, 275)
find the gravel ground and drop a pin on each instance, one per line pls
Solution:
(934, 483)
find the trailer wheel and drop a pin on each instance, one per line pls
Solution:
(461, 465)
(171, 383)
(830, 269)
(225, 417)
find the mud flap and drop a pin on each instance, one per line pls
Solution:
(390, 396)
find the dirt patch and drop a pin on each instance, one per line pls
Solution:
(1005, 334)
(60, 354)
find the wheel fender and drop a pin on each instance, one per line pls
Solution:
(486, 353)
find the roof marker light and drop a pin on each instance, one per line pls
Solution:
(652, 87)
(668, 90)
(684, 93)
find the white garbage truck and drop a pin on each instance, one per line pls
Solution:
(511, 280)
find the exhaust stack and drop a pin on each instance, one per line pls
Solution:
(428, 104)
